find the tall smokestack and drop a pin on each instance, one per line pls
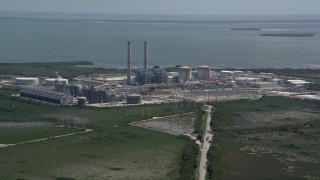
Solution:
(145, 60)
(129, 64)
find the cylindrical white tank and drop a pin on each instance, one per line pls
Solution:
(27, 81)
(204, 72)
(82, 101)
(184, 73)
(134, 99)
(52, 81)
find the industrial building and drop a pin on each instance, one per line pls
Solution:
(203, 72)
(98, 95)
(298, 82)
(27, 81)
(184, 73)
(47, 95)
(264, 85)
(156, 75)
(73, 90)
(159, 76)
(246, 80)
(143, 76)
(82, 101)
(54, 81)
(134, 99)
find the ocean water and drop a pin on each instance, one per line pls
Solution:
(173, 40)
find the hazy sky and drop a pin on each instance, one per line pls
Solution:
(166, 6)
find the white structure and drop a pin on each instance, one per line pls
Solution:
(184, 73)
(53, 81)
(298, 82)
(245, 80)
(265, 85)
(172, 73)
(47, 95)
(204, 72)
(27, 81)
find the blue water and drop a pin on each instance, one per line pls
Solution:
(184, 40)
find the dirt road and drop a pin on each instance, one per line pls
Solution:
(205, 147)
(43, 139)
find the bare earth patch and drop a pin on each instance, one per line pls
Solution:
(175, 125)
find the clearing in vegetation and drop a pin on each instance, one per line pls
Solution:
(175, 125)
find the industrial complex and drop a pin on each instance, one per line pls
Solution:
(157, 85)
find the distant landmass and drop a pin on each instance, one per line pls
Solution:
(289, 35)
(245, 29)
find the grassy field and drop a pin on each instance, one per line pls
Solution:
(114, 150)
(14, 135)
(274, 138)
(123, 153)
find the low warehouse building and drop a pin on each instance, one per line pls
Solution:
(54, 81)
(47, 95)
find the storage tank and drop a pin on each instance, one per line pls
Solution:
(204, 72)
(82, 101)
(27, 81)
(172, 73)
(134, 99)
(52, 81)
(184, 73)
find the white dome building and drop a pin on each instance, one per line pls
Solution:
(27, 81)
(52, 81)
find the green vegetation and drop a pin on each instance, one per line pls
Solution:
(114, 150)
(14, 135)
(258, 136)
(199, 124)
(189, 163)
(67, 70)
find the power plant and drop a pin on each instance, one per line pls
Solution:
(184, 73)
(148, 85)
(99, 90)
(203, 72)
(47, 95)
